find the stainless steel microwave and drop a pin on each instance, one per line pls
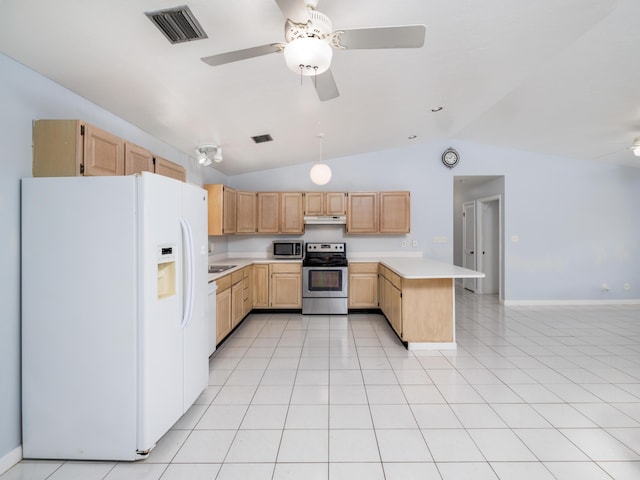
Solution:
(288, 248)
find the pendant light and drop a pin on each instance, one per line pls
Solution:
(320, 173)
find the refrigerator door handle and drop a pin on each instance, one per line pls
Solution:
(189, 272)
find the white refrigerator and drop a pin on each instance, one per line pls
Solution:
(114, 334)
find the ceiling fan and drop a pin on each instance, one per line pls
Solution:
(310, 41)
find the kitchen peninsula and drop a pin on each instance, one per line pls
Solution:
(417, 295)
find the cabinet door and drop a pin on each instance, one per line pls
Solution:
(247, 299)
(57, 148)
(394, 212)
(286, 290)
(291, 216)
(237, 303)
(103, 152)
(268, 212)
(395, 308)
(223, 314)
(260, 285)
(229, 210)
(363, 290)
(335, 203)
(313, 203)
(362, 212)
(169, 169)
(137, 159)
(246, 212)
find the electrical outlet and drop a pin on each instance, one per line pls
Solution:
(404, 243)
(414, 243)
(627, 286)
(604, 287)
(515, 238)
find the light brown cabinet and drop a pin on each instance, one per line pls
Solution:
(137, 159)
(419, 310)
(277, 285)
(162, 166)
(362, 212)
(72, 147)
(260, 284)
(64, 148)
(395, 212)
(268, 212)
(221, 209)
(232, 301)
(379, 212)
(246, 207)
(223, 308)
(291, 212)
(363, 285)
(325, 203)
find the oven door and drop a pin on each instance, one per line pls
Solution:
(322, 282)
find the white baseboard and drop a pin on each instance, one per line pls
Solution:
(564, 303)
(10, 459)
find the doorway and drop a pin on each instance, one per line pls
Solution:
(488, 235)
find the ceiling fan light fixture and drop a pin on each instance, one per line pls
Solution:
(308, 56)
(635, 148)
(218, 156)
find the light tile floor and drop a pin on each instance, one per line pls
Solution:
(530, 393)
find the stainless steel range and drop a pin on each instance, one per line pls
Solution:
(324, 279)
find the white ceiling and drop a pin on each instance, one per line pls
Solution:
(551, 76)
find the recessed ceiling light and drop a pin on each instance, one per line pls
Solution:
(437, 109)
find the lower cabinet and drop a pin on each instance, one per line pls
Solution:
(233, 301)
(391, 298)
(277, 285)
(363, 285)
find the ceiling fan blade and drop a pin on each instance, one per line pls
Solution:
(243, 54)
(409, 36)
(326, 87)
(294, 10)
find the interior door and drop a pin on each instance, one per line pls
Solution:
(469, 242)
(488, 246)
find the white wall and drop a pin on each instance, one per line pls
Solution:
(24, 97)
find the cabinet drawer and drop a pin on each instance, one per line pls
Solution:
(393, 277)
(237, 276)
(364, 267)
(286, 268)
(223, 283)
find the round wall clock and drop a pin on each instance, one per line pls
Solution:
(450, 157)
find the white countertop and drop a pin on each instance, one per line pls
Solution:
(411, 268)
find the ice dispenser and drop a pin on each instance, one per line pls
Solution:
(166, 271)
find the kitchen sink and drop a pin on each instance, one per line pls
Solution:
(220, 268)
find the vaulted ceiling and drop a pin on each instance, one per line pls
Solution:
(559, 77)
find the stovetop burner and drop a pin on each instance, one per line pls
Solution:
(325, 255)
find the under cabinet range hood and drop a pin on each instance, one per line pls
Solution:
(325, 219)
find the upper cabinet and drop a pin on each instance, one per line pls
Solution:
(383, 212)
(395, 212)
(63, 148)
(325, 203)
(246, 207)
(362, 212)
(70, 147)
(268, 212)
(221, 209)
(232, 211)
(291, 214)
(137, 159)
(170, 169)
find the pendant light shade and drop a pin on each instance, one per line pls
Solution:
(320, 174)
(308, 56)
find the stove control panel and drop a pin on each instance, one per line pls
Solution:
(326, 247)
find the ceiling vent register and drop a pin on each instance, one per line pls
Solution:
(178, 24)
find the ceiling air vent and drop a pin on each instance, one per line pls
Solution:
(262, 138)
(177, 24)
